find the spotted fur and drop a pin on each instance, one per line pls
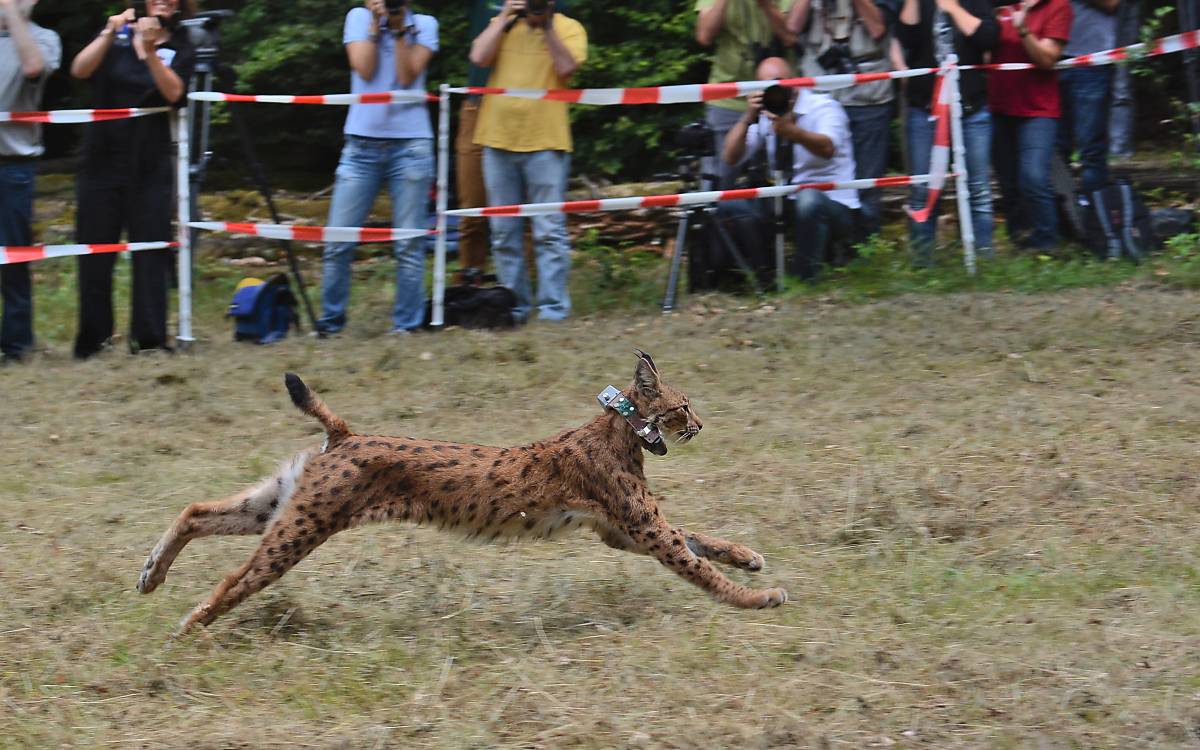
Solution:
(589, 476)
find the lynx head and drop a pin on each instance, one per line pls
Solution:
(660, 404)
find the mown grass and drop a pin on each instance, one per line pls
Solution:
(983, 505)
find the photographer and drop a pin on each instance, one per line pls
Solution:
(127, 176)
(816, 127)
(852, 36)
(930, 31)
(389, 48)
(527, 145)
(742, 33)
(28, 55)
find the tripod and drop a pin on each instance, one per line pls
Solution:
(203, 30)
(697, 219)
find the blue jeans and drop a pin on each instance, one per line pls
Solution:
(1086, 93)
(16, 215)
(407, 165)
(1022, 150)
(977, 142)
(869, 128)
(821, 223)
(530, 177)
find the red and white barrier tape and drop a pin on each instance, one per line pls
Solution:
(381, 97)
(682, 199)
(311, 233)
(939, 158)
(1164, 46)
(81, 115)
(689, 93)
(26, 253)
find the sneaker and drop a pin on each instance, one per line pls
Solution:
(401, 332)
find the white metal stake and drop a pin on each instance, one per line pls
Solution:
(443, 180)
(959, 156)
(182, 231)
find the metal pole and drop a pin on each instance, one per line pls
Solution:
(443, 187)
(184, 338)
(779, 250)
(959, 164)
(676, 261)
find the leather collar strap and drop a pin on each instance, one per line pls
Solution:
(611, 398)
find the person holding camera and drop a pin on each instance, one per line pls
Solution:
(929, 32)
(389, 48)
(527, 145)
(742, 33)
(127, 175)
(28, 55)
(818, 131)
(853, 36)
(1025, 108)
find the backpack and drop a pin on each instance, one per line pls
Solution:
(1116, 223)
(262, 311)
(470, 304)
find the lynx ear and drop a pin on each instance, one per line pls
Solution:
(646, 358)
(646, 376)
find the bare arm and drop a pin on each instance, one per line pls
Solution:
(966, 23)
(487, 45)
(565, 63)
(32, 64)
(779, 24)
(710, 22)
(871, 17)
(363, 55)
(89, 58)
(734, 147)
(1044, 53)
(910, 13)
(816, 143)
(411, 59)
(166, 80)
(797, 17)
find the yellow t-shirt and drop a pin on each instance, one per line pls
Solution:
(523, 62)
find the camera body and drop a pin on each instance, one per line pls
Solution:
(696, 140)
(837, 59)
(777, 100)
(395, 7)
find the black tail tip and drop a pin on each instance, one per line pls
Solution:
(296, 388)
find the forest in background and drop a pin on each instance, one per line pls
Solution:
(294, 47)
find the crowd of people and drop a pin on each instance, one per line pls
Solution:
(514, 150)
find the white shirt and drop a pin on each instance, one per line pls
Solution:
(817, 113)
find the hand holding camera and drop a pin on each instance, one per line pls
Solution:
(147, 31)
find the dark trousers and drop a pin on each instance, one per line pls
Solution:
(870, 125)
(823, 227)
(16, 214)
(107, 203)
(1086, 93)
(1022, 152)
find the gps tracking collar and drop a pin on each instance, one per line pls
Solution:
(611, 398)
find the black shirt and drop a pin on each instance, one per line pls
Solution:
(920, 52)
(123, 80)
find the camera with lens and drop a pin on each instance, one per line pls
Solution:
(395, 7)
(837, 60)
(777, 100)
(537, 8)
(696, 139)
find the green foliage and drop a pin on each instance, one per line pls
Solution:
(609, 277)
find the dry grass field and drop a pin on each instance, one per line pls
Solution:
(983, 506)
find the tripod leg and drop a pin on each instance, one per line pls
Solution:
(731, 246)
(676, 261)
(264, 187)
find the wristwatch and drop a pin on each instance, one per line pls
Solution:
(1023, 31)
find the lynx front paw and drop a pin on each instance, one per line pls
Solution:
(745, 558)
(771, 598)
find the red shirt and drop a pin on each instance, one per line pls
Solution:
(1027, 93)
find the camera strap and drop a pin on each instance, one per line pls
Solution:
(611, 398)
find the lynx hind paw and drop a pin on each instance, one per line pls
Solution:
(772, 598)
(147, 580)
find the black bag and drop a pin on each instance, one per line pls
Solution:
(470, 304)
(1116, 223)
(710, 264)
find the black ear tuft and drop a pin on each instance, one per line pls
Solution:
(646, 378)
(647, 359)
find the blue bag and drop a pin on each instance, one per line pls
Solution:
(262, 311)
